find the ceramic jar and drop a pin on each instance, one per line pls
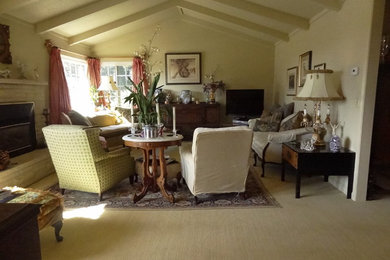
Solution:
(185, 96)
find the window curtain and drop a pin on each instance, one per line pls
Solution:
(139, 73)
(94, 77)
(58, 87)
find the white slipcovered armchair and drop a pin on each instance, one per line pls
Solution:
(217, 161)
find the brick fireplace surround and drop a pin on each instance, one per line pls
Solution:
(31, 167)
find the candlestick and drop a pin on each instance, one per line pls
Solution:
(132, 112)
(158, 113)
(174, 119)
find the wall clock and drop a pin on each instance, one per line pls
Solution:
(5, 54)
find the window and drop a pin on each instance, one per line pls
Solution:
(78, 84)
(120, 72)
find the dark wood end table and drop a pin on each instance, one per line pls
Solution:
(321, 161)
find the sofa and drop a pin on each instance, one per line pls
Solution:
(271, 130)
(113, 126)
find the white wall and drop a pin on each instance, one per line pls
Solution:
(341, 40)
(241, 63)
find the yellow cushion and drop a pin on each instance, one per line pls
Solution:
(103, 120)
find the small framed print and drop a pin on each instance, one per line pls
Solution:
(292, 74)
(182, 68)
(304, 66)
(321, 66)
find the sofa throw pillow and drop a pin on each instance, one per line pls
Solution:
(287, 109)
(269, 123)
(78, 119)
(103, 120)
(293, 121)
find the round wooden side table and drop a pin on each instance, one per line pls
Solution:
(151, 144)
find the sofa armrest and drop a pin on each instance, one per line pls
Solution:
(251, 122)
(289, 135)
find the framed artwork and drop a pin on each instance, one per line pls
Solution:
(321, 66)
(5, 54)
(304, 65)
(292, 74)
(182, 68)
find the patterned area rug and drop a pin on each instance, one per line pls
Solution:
(121, 196)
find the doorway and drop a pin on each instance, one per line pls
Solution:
(379, 171)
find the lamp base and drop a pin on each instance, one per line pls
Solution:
(318, 136)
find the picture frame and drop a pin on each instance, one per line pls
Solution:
(304, 65)
(292, 74)
(321, 66)
(183, 68)
(5, 53)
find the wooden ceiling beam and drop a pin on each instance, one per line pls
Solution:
(223, 29)
(235, 20)
(121, 22)
(8, 5)
(334, 5)
(267, 12)
(52, 23)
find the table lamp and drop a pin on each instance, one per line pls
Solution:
(107, 85)
(319, 86)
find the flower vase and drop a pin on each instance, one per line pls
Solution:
(211, 96)
(335, 140)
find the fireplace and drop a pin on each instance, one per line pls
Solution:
(17, 128)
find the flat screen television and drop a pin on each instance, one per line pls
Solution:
(244, 103)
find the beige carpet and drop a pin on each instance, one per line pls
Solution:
(323, 224)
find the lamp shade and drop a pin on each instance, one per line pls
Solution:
(319, 86)
(107, 84)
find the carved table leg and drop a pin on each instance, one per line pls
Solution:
(154, 170)
(147, 181)
(57, 228)
(163, 175)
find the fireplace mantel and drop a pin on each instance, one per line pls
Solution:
(21, 82)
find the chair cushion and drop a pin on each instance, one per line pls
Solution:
(269, 123)
(78, 119)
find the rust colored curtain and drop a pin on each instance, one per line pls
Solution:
(58, 87)
(94, 77)
(138, 73)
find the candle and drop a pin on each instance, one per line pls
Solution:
(305, 111)
(174, 119)
(132, 112)
(328, 110)
(158, 113)
(318, 112)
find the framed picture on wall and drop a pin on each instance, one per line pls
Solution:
(321, 66)
(304, 65)
(292, 81)
(182, 68)
(5, 54)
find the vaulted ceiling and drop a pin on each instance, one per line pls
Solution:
(94, 21)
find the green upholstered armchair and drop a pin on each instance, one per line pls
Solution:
(80, 161)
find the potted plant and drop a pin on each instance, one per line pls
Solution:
(147, 116)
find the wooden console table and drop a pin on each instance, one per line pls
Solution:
(190, 116)
(147, 145)
(321, 161)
